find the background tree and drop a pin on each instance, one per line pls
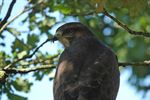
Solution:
(124, 25)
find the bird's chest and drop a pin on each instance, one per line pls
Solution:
(65, 71)
(65, 67)
(70, 64)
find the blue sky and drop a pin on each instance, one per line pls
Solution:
(42, 90)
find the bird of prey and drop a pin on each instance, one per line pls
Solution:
(87, 69)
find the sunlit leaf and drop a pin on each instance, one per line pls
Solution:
(22, 54)
(62, 8)
(14, 31)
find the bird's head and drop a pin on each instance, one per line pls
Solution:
(69, 32)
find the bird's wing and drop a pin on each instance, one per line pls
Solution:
(100, 79)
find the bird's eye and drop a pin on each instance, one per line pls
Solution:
(68, 35)
(59, 33)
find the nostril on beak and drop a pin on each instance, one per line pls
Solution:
(54, 39)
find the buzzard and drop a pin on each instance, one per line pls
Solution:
(87, 69)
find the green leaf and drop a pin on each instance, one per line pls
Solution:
(32, 26)
(22, 84)
(14, 31)
(65, 9)
(18, 46)
(46, 24)
(32, 39)
(38, 75)
(15, 97)
(2, 59)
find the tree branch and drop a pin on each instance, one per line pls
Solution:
(124, 64)
(40, 61)
(27, 70)
(146, 34)
(42, 67)
(27, 56)
(22, 12)
(8, 13)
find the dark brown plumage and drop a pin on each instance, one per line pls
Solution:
(87, 69)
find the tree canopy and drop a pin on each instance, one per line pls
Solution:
(124, 25)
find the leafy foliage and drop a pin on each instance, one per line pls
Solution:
(43, 18)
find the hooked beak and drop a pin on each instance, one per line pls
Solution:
(54, 39)
(57, 35)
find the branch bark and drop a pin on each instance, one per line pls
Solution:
(27, 70)
(144, 63)
(8, 13)
(42, 67)
(146, 34)
(40, 60)
(129, 30)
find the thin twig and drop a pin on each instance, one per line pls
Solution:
(146, 34)
(27, 46)
(124, 64)
(8, 13)
(1, 6)
(27, 56)
(39, 61)
(27, 70)
(22, 12)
